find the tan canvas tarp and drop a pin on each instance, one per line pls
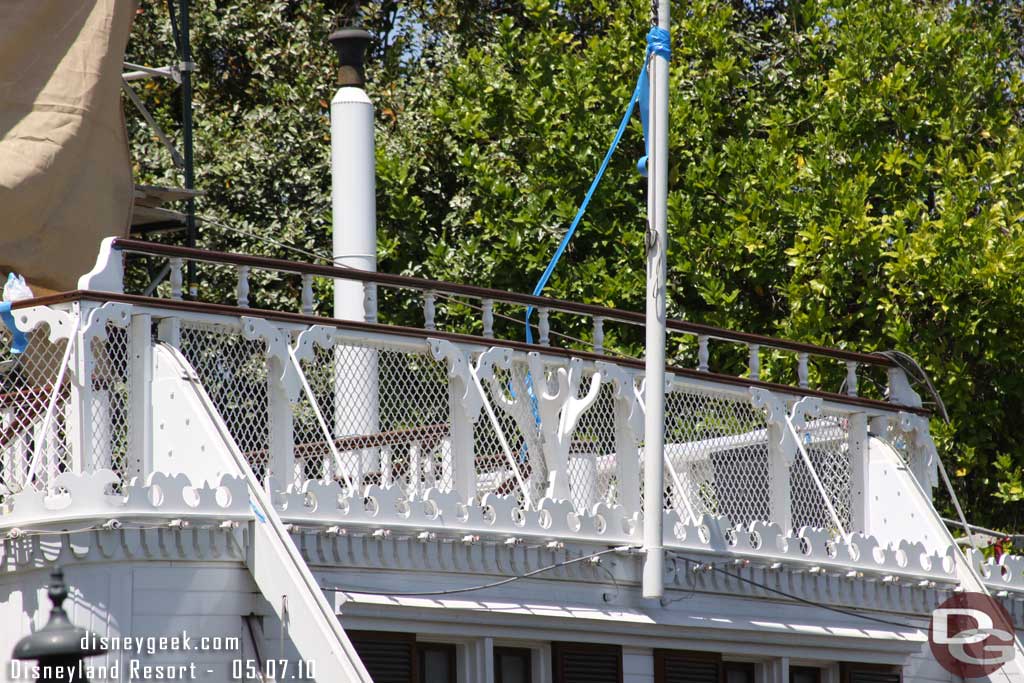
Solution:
(65, 175)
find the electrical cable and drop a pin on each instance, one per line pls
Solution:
(272, 242)
(797, 598)
(470, 589)
(34, 533)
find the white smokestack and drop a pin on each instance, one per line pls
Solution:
(353, 185)
(353, 203)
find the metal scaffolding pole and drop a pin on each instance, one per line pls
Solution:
(186, 68)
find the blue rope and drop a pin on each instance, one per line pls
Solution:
(658, 43)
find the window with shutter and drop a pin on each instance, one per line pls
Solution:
(681, 666)
(437, 662)
(513, 665)
(854, 672)
(738, 672)
(389, 657)
(804, 674)
(586, 663)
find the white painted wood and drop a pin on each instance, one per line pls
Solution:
(242, 289)
(544, 326)
(754, 362)
(860, 479)
(851, 378)
(307, 300)
(487, 311)
(140, 383)
(169, 331)
(429, 310)
(108, 273)
(176, 278)
(276, 565)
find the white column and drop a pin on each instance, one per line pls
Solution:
(140, 384)
(657, 251)
(353, 195)
(860, 476)
(353, 200)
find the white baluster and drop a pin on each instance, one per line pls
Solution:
(544, 324)
(429, 299)
(176, 278)
(243, 287)
(599, 335)
(755, 361)
(851, 378)
(702, 353)
(488, 317)
(370, 302)
(801, 370)
(307, 294)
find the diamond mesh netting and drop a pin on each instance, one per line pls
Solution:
(719, 463)
(26, 387)
(233, 370)
(717, 451)
(111, 403)
(592, 457)
(388, 412)
(509, 394)
(825, 439)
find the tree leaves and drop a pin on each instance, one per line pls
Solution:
(840, 174)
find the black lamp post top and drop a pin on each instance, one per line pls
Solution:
(351, 44)
(59, 639)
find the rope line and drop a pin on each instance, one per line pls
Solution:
(658, 43)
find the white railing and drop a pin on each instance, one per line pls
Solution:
(495, 314)
(371, 406)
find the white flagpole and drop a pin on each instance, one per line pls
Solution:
(657, 248)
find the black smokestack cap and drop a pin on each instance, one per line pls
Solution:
(350, 44)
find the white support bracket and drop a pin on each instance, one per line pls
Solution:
(465, 398)
(560, 412)
(140, 386)
(90, 402)
(629, 430)
(283, 388)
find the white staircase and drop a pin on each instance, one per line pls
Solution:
(191, 437)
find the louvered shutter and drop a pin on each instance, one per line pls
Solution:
(389, 657)
(679, 666)
(585, 663)
(871, 673)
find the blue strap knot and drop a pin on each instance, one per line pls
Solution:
(659, 43)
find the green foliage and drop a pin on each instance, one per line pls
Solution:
(847, 175)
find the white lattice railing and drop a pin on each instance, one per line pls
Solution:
(372, 407)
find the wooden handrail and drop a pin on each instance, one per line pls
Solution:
(473, 291)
